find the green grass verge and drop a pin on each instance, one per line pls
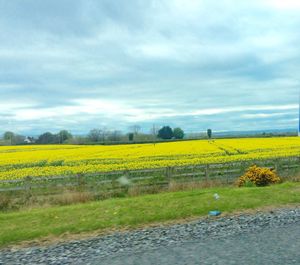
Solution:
(133, 212)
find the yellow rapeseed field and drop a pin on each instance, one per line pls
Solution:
(52, 160)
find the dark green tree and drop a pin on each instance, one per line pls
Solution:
(209, 133)
(130, 136)
(8, 136)
(165, 132)
(178, 133)
(64, 135)
(48, 138)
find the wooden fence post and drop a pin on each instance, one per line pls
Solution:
(168, 173)
(80, 182)
(207, 172)
(229, 166)
(27, 184)
(193, 171)
(276, 165)
(244, 167)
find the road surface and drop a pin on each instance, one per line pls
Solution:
(276, 245)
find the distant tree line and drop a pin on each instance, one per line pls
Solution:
(45, 138)
(50, 138)
(135, 134)
(101, 136)
(13, 138)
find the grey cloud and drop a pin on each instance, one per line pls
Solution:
(150, 55)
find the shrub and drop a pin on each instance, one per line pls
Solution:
(4, 202)
(258, 176)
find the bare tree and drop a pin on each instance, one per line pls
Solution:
(95, 135)
(154, 132)
(103, 134)
(114, 136)
(135, 129)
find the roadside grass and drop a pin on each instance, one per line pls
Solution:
(132, 212)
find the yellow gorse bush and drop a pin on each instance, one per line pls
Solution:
(259, 176)
(51, 160)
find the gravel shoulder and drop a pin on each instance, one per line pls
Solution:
(169, 241)
(271, 246)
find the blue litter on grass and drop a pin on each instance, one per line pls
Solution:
(214, 213)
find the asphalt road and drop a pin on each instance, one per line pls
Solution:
(273, 245)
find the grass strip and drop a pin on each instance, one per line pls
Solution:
(132, 212)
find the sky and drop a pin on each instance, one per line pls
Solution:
(197, 64)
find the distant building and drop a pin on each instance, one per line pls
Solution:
(28, 140)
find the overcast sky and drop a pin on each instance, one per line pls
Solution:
(83, 64)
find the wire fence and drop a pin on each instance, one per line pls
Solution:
(223, 172)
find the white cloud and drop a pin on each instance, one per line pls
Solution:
(264, 115)
(112, 109)
(283, 5)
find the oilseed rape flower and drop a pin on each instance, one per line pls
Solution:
(17, 162)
